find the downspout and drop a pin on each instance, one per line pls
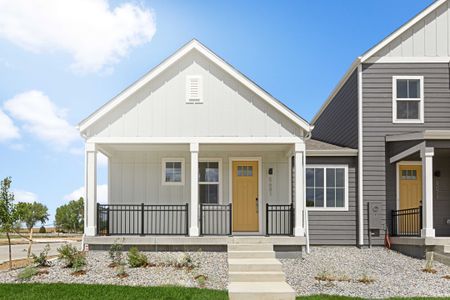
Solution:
(360, 158)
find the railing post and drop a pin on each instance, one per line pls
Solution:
(187, 219)
(231, 220)
(98, 218)
(292, 220)
(201, 219)
(142, 218)
(267, 219)
(421, 220)
(107, 220)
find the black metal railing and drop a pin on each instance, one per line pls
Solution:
(141, 219)
(215, 219)
(279, 219)
(407, 222)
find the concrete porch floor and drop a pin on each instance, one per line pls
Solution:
(418, 246)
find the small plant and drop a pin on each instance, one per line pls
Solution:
(41, 260)
(343, 278)
(79, 261)
(201, 280)
(429, 264)
(67, 253)
(137, 259)
(120, 271)
(325, 276)
(116, 255)
(42, 229)
(27, 273)
(185, 261)
(366, 279)
(446, 277)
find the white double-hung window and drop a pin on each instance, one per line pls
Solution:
(209, 173)
(408, 96)
(327, 187)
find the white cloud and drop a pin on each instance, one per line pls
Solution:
(42, 118)
(24, 196)
(8, 131)
(102, 194)
(93, 33)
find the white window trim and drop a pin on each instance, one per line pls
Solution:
(395, 99)
(218, 160)
(345, 208)
(163, 167)
(200, 92)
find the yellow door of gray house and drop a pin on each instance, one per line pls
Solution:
(245, 196)
(410, 196)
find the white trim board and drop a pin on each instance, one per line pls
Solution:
(261, 199)
(193, 45)
(422, 135)
(407, 152)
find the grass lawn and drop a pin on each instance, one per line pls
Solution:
(86, 291)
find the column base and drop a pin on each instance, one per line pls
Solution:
(90, 230)
(299, 231)
(193, 231)
(427, 232)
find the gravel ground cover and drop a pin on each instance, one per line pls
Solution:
(213, 265)
(342, 268)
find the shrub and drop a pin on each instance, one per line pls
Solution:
(429, 264)
(27, 273)
(116, 255)
(185, 261)
(41, 259)
(201, 280)
(42, 229)
(136, 259)
(120, 271)
(71, 255)
(79, 261)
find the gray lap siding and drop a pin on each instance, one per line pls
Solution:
(379, 175)
(338, 227)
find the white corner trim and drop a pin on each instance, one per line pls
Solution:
(330, 166)
(194, 44)
(395, 100)
(163, 170)
(371, 52)
(407, 152)
(360, 159)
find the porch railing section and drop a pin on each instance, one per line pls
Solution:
(215, 219)
(279, 219)
(407, 222)
(142, 219)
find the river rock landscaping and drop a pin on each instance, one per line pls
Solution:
(208, 269)
(367, 273)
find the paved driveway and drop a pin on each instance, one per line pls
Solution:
(20, 251)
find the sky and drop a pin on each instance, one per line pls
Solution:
(61, 60)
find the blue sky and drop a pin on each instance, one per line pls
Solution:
(57, 69)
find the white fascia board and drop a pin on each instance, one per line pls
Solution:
(371, 52)
(340, 152)
(338, 87)
(410, 60)
(194, 44)
(422, 135)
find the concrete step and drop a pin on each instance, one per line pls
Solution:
(256, 277)
(250, 247)
(446, 249)
(254, 265)
(251, 254)
(260, 291)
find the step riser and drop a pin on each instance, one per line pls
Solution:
(260, 277)
(265, 296)
(249, 247)
(254, 268)
(249, 254)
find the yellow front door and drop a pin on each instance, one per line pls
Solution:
(410, 182)
(245, 196)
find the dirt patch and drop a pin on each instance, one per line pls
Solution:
(19, 263)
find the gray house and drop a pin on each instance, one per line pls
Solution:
(393, 105)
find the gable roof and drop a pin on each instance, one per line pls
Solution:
(365, 57)
(194, 44)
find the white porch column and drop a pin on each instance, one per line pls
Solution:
(193, 230)
(427, 154)
(299, 152)
(90, 206)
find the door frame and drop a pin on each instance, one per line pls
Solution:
(260, 196)
(397, 177)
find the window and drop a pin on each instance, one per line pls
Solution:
(327, 187)
(408, 175)
(407, 99)
(209, 181)
(173, 171)
(245, 171)
(194, 89)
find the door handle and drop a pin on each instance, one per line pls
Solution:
(257, 205)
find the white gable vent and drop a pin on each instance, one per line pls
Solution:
(194, 89)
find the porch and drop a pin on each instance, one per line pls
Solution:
(173, 192)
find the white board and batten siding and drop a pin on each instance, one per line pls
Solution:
(227, 107)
